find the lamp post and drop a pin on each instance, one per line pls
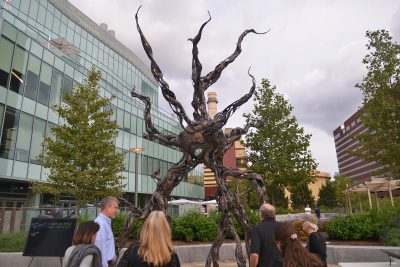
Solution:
(136, 150)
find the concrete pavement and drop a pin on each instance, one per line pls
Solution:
(226, 264)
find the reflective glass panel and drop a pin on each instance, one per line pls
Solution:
(66, 87)
(9, 133)
(33, 9)
(6, 51)
(25, 6)
(39, 130)
(56, 84)
(44, 84)
(19, 70)
(23, 41)
(24, 137)
(1, 115)
(32, 77)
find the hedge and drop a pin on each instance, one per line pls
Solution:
(13, 242)
(380, 225)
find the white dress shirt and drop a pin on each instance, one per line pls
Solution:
(105, 239)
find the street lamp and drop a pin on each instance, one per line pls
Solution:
(136, 150)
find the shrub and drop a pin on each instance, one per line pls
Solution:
(118, 223)
(322, 225)
(137, 225)
(83, 219)
(252, 215)
(352, 227)
(385, 219)
(194, 225)
(13, 242)
(391, 237)
(280, 210)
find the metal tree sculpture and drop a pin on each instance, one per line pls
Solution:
(202, 141)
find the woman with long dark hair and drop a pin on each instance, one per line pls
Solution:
(293, 252)
(83, 253)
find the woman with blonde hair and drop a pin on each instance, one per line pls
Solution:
(316, 243)
(155, 247)
(293, 252)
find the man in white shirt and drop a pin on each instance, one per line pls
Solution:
(105, 238)
(307, 209)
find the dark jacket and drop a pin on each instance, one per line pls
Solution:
(316, 244)
(263, 244)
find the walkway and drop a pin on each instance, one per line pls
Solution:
(228, 264)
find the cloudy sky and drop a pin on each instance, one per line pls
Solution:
(313, 52)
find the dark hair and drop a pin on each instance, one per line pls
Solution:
(85, 233)
(293, 252)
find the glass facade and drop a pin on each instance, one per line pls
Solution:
(46, 48)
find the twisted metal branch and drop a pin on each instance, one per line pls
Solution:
(175, 105)
(150, 129)
(198, 96)
(214, 75)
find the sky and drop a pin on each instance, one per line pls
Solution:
(313, 52)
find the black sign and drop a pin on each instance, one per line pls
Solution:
(49, 237)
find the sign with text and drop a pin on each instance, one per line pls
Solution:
(49, 237)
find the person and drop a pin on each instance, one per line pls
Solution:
(318, 213)
(307, 209)
(83, 253)
(316, 243)
(263, 249)
(155, 247)
(105, 238)
(293, 252)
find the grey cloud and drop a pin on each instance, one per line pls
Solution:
(327, 96)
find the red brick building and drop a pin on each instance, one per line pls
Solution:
(352, 167)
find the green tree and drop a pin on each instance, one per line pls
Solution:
(278, 148)
(301, 196)
(340, 184)
(381, 103)
(81, 157)
(327, 195)
(248, 196)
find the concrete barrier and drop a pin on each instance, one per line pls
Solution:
(341, 253)
(198, 253)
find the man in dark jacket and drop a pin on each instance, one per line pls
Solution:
(263, 250)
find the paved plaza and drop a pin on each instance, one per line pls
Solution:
(233, 264)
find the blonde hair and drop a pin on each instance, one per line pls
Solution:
(155, 240)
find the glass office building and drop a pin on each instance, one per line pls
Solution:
(47, 47)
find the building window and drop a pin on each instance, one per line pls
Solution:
(67, 87)
(44, 84)
(24, 137)
(120, 118)
(9, 133)
(1, 115)
(18, 70)
(39, 130)
(32, 77)
(6, 51)
(56, 84)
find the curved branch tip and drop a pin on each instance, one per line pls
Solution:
(209, 15)
(262, 32)
(137, 12)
